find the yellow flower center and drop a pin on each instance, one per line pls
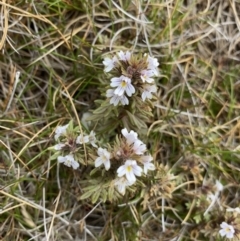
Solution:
(123, 84)
(227, 230)
(129, 168)
(104, 158)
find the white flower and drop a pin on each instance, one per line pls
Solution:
(69, 161)
(109, 63)
(147, 91)
(146, 76)
(82, 139)
(121, 184)
(104, 158)
(122, 83)
(130, 136)
(153, 65)
(139, 147)
(218, 186)
(227, 230)
(152, 62)
(60, 130)
(115, 99)
(147, 165)
(59, 146)
(130, 169)
(124, 56)
(235, 210)
(92, 138)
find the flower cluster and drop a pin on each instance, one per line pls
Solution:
(69, 144)
(134, 76)
(128, 159)
(123, 161)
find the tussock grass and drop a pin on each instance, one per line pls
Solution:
(57, 47)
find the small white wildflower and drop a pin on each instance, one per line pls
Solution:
(123, 84)
(121, 184)
(146, 76)
(226, 230)
(153, 65)
(219, 186)
(92, 139)
(104, 158)
(152, 62)
(69, 161)
(147, 91)
(82, 139)
(109, 63)
(235, 210)
(124, 56)
(139, 147)
(130, 169)
(115, 99)
(147, 165)
(131, 136)
(59, 146)
(60, 130)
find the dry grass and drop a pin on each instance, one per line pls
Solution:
(58, 46)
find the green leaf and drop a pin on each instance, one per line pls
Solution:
(55, 156)
(136, 121)
(95, 196)
(91, 191)
(198, 218)
(86, 195)
(111, 192)
(104, 195)
(70, 126)
(94, 171)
